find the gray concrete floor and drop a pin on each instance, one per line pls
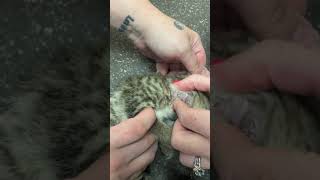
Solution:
(32, 31)
(126, 61)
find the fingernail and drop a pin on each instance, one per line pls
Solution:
(175, 81)
(217, 61)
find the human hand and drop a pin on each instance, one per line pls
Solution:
(267, 19)
(132, 148)
(191, 132)
(170, 43)
(271, 64)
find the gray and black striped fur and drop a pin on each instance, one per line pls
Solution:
(156, 91)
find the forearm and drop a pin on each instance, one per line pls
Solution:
(128, 15)
(235, 157)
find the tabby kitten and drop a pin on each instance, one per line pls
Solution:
(272, 119)
(156, 91)
(56, 125)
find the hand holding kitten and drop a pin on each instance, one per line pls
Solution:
(272, 64)
(132, 148)
(191, 132)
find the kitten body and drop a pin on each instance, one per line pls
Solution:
(158, 92)
(272, 119)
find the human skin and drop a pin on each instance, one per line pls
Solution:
(191, 131)
(157, 37)
(132, 149)
(267, 19)
(272, 64)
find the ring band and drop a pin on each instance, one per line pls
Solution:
(198, 171)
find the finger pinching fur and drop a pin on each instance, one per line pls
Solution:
(158, 92)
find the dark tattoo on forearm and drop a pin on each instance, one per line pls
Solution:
(178, 25)
(126, 23)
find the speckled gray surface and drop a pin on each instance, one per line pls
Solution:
(126, 61)
(31, 31)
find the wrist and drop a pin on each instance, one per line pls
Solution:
(133, 15)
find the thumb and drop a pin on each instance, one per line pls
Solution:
(194, 82)
(132, 129)
(271, 64)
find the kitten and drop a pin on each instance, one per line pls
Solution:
(272, 119)
(156, 91)
(57, 125)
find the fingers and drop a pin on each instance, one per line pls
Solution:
(132, 129)
(194, 82)
(271, 19)
(187, 160)
(271, 64)
(198, 49)
(197, 120)
(189, 60)
(136, 149)
(141, 162)
(189, 142)
(194, 58)
(163, 68)
(305, 34)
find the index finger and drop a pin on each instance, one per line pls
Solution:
(197, 120)
(133, 129)
(194, 82)
(272, 64)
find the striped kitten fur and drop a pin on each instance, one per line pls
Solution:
(273, 119)
(156, 91)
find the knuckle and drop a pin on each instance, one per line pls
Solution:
(150, 139)
(123, 176)
(152, 155)
(175, 142)
(183, 160)
(188, 115)
(138, 129)
(116, 163)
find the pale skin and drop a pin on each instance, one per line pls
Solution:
(157, 37)
(132, 148)
(191, 131)
(169, 59)
(268, 19)
(290, 66)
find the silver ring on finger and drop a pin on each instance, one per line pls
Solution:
(198, 171)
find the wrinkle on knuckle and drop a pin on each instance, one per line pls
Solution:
(139, 130)
(150, 140)
(175, 142)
